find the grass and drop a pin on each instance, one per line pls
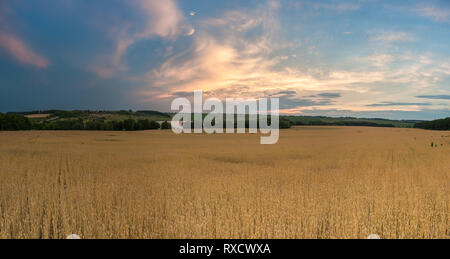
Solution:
(316, 183)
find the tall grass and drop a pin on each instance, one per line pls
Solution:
(316, 183)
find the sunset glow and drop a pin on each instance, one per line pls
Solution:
(335, 58)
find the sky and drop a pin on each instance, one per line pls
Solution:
(362, 58)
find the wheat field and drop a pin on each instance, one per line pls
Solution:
(317, 182)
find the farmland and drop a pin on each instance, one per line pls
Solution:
(317, 182)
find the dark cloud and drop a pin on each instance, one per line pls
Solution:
(434, 97)
(326, 95)
(284, 93)
(329, 95)
(288, 100)
(288, 103)
(182, 94)
(287, 92)
(384, 104)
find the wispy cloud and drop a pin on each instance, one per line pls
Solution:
(387, 104)
(381, 59)
(392, 36)
(439, 14)
(288, 102)
(222, 56)
(340, 6)
(225, 62)
(18, 49)
(15, 46)
(330, 95)
(158, 19)
(434, 97)
(242, 53)
(285, 92)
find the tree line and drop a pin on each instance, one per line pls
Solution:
(84, 113)
(97, 125)
(12, 122)
(443, 124)
(72, 121)
(344, 123)
(284, 123)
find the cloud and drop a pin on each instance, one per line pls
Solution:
(439, 14)
(14, 45)
(392, 36)
(381, 60)
(237, 55)
(221, 56)
(192, 13)
(189, 32)
(21, 52)
(286, 92)
(236, 21)
(326, 95)
(182, 94)
(387, 104)
(154, 18)
(317, 5)
(287, 102)
(330, 95)
(163, 18)
(339, 7)
(434, 97)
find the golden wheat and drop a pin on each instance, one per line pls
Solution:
(316, 183)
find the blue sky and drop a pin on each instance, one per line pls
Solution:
(366, 58)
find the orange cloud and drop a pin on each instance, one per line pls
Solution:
(20, 51)
(225, 62)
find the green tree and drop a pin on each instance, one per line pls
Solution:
(129, 124)
(165, 126)
(143, 124)
(14, 122)
(154, 125)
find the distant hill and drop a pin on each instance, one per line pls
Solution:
(348, 121)
(106, 115)
(136, 120)
(443, 124)
(83, 120)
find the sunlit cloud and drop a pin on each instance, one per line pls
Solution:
(189, 32)
(15, 46)
(18, 49)
(224, 62)
(317, 56)
(162, 19)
